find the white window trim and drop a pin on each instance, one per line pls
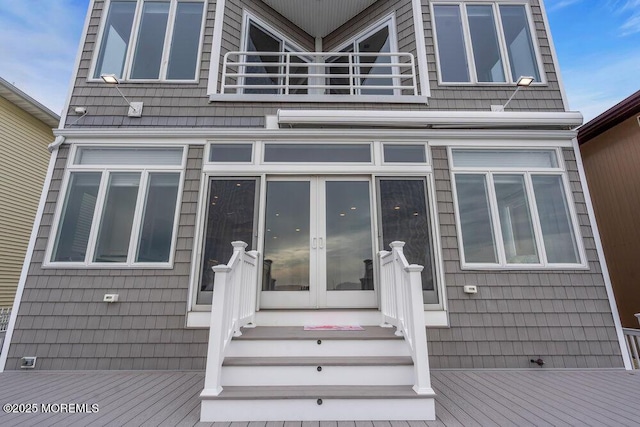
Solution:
(105, 170)
(133, 39)
(506, 64)
(526, 172)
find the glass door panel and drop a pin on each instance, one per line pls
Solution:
(230, 217)
(347, 256)
(287, 267)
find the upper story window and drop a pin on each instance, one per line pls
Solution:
(151, 40)
(484, 42)
(120, 207)
(371, 54)
(271, 65)
(514, 210)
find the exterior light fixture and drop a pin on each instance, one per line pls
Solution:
(135, 108)
(523, 81)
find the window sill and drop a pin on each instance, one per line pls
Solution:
(106, 266)
(524, 267)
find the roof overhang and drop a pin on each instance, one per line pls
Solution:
(615, 115)
(430, 119)
(319, 17)
(28, 104)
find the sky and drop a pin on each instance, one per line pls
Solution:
(597, 42)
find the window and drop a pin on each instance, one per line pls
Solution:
(404, 153)
(151, 40)
(355, 153)
(484, 43)
(272, 49)
(120, 207)
(513, 209)
(369, 66)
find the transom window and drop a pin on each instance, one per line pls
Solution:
(120, 207)
(484, 42)
(513, 209)
(151, 40)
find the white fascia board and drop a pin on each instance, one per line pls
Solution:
(452, 119)
(200, 136)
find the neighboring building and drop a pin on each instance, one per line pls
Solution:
(318, 133)
(610, 147)
(25, 132)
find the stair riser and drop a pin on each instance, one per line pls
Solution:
(310, 348)
(309, 410)
(309, 375)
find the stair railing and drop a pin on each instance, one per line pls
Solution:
(632, 338)
(233, 307)
(402, 306)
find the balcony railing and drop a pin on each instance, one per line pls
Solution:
(325, 76)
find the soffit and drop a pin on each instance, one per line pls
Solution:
(319, 17)
(28, 104)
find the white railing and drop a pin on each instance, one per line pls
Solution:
(402, 306)
(5, 314)
(319, 73)
(632, 338)
(233, 307)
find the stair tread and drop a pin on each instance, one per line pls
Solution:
(319, 392)
(298, 333)
(318, 361)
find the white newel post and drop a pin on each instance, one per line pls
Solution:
(238, 253)
(396, 248)
(421, 361)
(216, 331)
(252, 294)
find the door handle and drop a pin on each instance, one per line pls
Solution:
(321, 243)
(313, 243)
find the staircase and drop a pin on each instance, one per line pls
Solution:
(288, 374)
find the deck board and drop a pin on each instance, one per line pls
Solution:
(464, 398)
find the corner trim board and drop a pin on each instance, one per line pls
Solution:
(214, 64)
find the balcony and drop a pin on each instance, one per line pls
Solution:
(319, 77)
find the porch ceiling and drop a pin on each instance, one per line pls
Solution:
(319, 17)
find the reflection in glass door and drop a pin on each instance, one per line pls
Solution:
(318, 246)
(348, 257)
(286, 273)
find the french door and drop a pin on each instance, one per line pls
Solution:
(318, 243)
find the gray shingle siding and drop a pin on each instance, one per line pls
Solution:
(187, 104)
(562, 317)
(63, 321)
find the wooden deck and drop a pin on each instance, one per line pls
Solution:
(464, 398)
